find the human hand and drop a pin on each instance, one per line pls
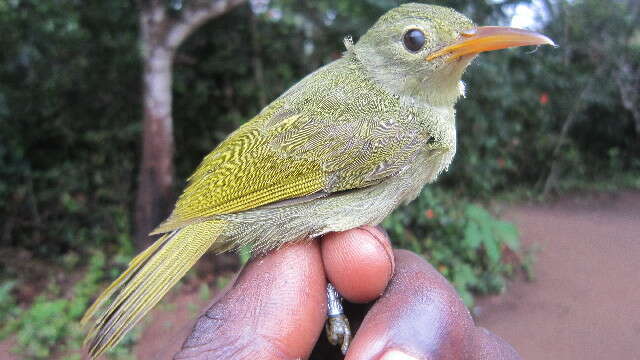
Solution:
(276, 307)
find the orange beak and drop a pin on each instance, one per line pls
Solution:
(489, 38)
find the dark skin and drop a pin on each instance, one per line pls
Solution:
(276, 308)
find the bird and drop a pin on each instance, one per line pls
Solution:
(341, 148)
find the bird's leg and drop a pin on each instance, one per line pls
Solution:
(337, 327)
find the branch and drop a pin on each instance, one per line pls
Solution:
(196, 13)
(634, 9)
(571, 119)
(628, 82)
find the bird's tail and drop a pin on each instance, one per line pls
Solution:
(149, 277)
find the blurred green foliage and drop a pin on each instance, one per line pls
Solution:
(68, 124)
(70, 129)
(49, 327)
(462, 240)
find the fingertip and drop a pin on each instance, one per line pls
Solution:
(276, 308)
(358, 262)
(420, 313)
(396, 355)
(489, 346)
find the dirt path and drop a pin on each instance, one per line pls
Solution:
(585, 301)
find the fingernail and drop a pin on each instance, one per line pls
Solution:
(382, 230)
(386, 245)
(396, 355)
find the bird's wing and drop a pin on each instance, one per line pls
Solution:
(299, 146)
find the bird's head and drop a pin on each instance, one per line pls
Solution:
(419, 52)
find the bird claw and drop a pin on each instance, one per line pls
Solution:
(339, 332)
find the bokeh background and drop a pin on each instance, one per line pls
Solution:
(545, 127)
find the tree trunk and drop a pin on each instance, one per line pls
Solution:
(155, 180)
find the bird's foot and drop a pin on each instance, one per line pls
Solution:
(339, 332)
(337, 327)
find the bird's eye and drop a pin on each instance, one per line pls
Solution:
(413, 40)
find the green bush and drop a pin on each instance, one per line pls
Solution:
(459, 238)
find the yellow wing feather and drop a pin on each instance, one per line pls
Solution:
(243, 173)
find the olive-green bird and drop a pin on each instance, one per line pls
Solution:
(342, 148)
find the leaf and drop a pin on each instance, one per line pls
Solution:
(508, 234)
(472, 236)
(492, 248)
(245, 254)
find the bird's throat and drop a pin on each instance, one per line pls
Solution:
(444, 86)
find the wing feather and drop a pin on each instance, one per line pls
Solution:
(321, 135)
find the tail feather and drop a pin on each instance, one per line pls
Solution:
(134, 265)
(148, 278)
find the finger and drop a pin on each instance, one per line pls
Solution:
(358, 262)
(489, 346)
(421, 316)
(275, 310)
